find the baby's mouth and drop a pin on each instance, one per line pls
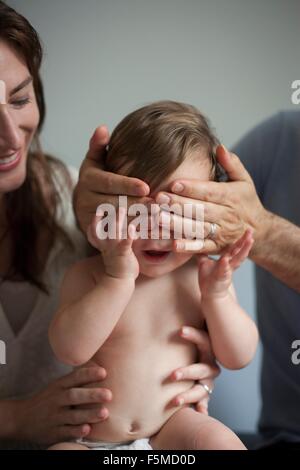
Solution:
(155, 255)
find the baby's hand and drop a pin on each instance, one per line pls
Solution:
(118, 258)
(215, 276)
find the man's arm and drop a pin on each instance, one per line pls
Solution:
(278, 250)
(277, 247)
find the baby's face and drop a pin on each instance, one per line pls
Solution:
(157, 257)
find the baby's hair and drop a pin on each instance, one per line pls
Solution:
(151, 142)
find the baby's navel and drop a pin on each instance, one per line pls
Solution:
(134, 427)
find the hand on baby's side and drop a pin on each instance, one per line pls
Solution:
(215, 277)
(118, 257)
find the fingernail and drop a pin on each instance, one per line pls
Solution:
(102, 414)
(99, 211)
(178, 375)
(194, 245)
(184, 331)
(180, 401)
(140, 190)
(177, 188)
(224, 148)
(163, 199)
(85, 429)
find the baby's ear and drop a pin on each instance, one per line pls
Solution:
(220, 174)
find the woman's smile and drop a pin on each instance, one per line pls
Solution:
(9, 162)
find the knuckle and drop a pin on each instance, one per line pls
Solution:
(209, 193)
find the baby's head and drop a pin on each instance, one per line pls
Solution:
(159, 143)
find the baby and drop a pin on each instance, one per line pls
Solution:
(127, 308)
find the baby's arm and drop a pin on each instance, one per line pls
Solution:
(88, 312)
(232, 332)
(93, 297)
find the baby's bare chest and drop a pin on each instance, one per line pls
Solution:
(158, 311)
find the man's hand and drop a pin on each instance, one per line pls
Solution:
(205, 371)
(233, 206)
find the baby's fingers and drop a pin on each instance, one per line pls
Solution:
(223, 268)
(242, 254)
(237, 246)
(125, 245)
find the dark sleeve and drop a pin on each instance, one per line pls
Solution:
(258, 150)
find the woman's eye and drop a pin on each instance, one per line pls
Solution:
(21, 102)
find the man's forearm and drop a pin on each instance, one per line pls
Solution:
(278, 250)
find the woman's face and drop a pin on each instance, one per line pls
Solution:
(19, 118)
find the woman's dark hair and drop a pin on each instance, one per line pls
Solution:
(151, 142)
(28, 210)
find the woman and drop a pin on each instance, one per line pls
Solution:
(39, 398)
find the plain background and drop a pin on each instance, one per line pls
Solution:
(234, 59)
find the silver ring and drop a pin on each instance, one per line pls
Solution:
(212, 231)
(206, 388)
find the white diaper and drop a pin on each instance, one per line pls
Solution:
(139, 444)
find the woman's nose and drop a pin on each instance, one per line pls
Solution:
(10, 137)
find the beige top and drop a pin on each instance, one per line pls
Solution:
(30, 363)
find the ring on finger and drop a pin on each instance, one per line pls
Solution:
(206, 387)
(212, 231)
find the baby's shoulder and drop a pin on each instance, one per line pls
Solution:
(80, 278)
(87, 268)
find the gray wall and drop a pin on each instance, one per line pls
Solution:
(234, 59)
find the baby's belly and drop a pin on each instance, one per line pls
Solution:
(138, 377)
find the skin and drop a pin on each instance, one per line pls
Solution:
(86, 200)
(107, 315)
(233, 206)
(19, 118)
(18, 125)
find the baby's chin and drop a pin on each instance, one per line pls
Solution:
(156, 271)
